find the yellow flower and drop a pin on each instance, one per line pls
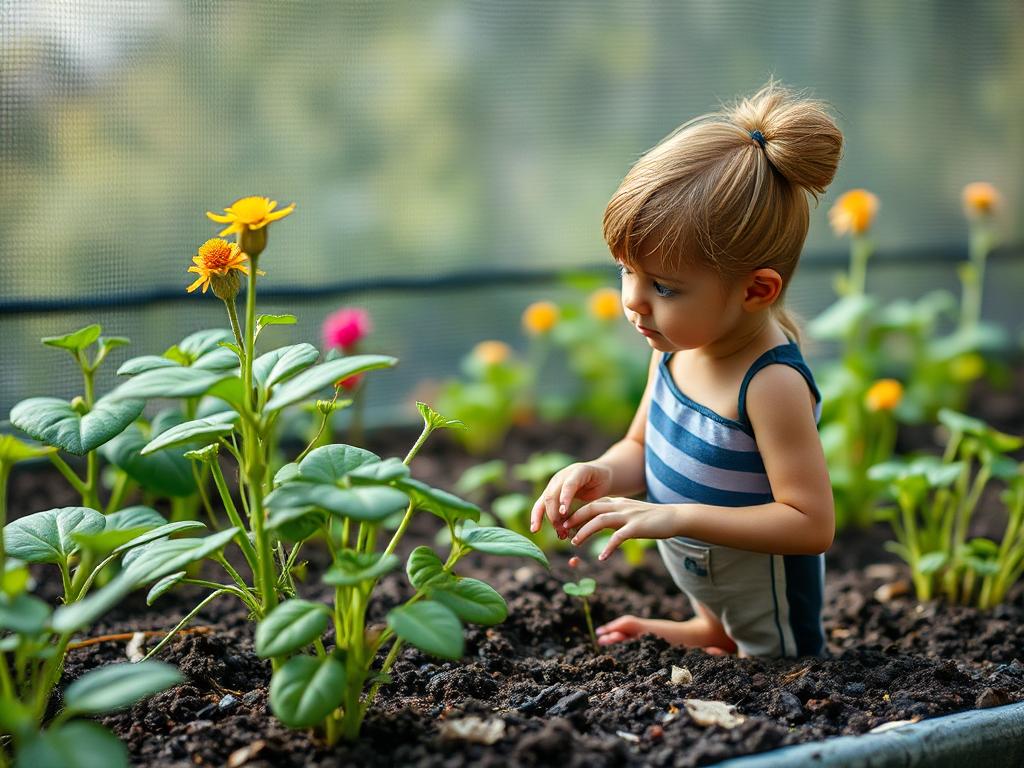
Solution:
(605, 304)
(853, 212)
(249, 213)
(980, 199)
(540, 317)
(884, 395)
(492, 352)
(214, 264)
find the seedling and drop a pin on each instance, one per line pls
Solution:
(583, 589)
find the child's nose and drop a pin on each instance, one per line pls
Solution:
(634, 301)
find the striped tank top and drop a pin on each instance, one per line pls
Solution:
(694, 455)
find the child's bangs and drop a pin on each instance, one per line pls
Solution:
(664, 238)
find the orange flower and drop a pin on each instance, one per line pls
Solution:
(884, 395)
(492, 352)
(249, 213)
(214, 264)
(605, 304)
(980, 199)
(540, 317)
(853, 212)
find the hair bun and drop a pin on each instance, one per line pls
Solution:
(801, 138)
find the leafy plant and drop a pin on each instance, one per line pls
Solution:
(936, 498)
(583, 589)
(344, 494)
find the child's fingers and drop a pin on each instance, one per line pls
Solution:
(611, 638)
(599, 523)
(589, 511)
(613, 542)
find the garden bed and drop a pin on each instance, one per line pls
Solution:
(537, 689)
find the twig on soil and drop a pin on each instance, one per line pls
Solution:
(796, 674)
(126, 636)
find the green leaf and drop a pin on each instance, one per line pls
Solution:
(441, 503)
(74, 616)
(46, 537)
(583, 588)
(842, 317)
(287, 473)
(424, 568)
(264, 320)
(931, 562)
(471, 600)
(160, 532)
(291, 626)
(983, 547)
(365, 503)
(76, 340)
(512, 507)
(121, 526)
(480, 476)
(166, 473)
(435, 420)
(24, 615)
(162, 586)
(13, 450)
(169, 383)
(382, 472)
(143, 363)
(153, 561)
(430, 626)
(78, 744)
(117, 686)
(331, 463)
(501, 541)
(281, 364)
(53, 421)
(305, 690)
(312, 380)
(959, 422)
(353, 568)
(296, 523)
(220, 424)
(201, 343)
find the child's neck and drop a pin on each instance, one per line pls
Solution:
(760, 331)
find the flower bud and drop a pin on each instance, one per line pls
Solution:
(252, 241)
(225, 287)
(79, 406)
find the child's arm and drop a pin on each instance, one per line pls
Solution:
(619, 470)
(801, 520)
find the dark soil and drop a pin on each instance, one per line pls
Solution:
(559, 701)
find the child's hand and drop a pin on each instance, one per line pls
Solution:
(585, 482)
(622, 628)
(630, 518)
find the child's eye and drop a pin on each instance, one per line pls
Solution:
(622, 270)
(662, 290)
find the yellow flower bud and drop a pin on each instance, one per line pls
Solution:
(492, 352)
(540, 317)
(853, 213)
(605, 304)
(884, 395)
(980, 199)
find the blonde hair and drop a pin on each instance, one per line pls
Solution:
(713, 194)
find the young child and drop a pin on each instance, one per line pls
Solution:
(707, 228)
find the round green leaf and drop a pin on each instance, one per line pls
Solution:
(24, 615)
(932, 562)
(150, 562)
(53, 421)
(353, 568)
(425, 567)
(46, 537)
(197, 430)
(166, 473)
(501, 541)
(382, 472)
(295, 523)
(13, 450)
(365, 503)
(291, 626)
(471, 600)
(133, 518)
(305, 690)
(170, 383)
(118, 685)
(312, 380)
(279, 365)
(582, 588)
(331, 463)
(78, 744)
(441, 503)
(430, 626)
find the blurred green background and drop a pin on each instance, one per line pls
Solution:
(425, 140)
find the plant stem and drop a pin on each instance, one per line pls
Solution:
(229, 506)
(233, 317)
(117, 493)
(590, 624)
(69, 474)
(156, 649)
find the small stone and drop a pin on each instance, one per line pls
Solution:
(655, 732)
(891, 590)
(991, 697)
(574, 561)
(242, 756)
(713, 713)
(790, 705)
(474, 730)
(228, 703)
(855, 689)
(574, 701)
(523, 574)
(882, 571)
(134, 650)
(681, 676)
(627, 736)
(252, 698)
(198, 725)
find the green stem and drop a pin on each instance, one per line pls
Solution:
(233, 317)
(242, 536)
(117, 493)
(69, 474)
(170, 635)
(590, 624)
(860, 252)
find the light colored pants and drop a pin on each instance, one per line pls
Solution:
(769, 604)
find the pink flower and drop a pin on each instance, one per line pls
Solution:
(345, 328)
(351, 382)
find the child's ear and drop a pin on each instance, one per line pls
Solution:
(763, 288)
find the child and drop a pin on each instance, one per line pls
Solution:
(707, 228)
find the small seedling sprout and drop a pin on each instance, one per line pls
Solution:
(583, 589)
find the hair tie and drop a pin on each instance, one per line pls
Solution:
(758, 137)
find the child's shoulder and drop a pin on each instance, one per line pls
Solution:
(779, 390)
